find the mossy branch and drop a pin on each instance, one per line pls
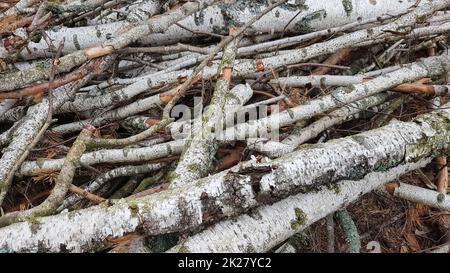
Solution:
(62, 183)
(351, 232)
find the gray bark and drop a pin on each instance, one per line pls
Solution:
(234, 192)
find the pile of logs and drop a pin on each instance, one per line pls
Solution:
(212, 126)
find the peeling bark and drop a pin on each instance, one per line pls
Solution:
(234, 192)
(198, 156)
(429, 67)
(21, 79)
(268, 226)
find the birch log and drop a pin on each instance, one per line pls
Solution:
(429, 67)
(268, 226)
(85, 37)
(104, 178)
(20, 79)
(153, 80)
(62, 184)
(125, 155)
(235, 191)
(124, 94)
(197, 158)
(28, 128)
(314, 15)
(420, 195)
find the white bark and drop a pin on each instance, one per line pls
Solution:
(318, 80)
(18, 8)
(424, 196)
(6, 105)
(5, 137)
(379, 72)
(136, 124)
(239, 95)
(429, 67)
(114, 97)
(250, 184)
(112, 115)
(104, 178)
(197, 158)
(426, 68)
(183, 129)
(268, 226)
(336, 80)
(275, 149)
(62, 184)
(13, 114)
(329, 47)
(143, 10)
(346, 40)
(26, 131)
(443, 249)
(316, 15)
(154, 25)
(414, 34)
(290, 41)
(335, 117)
(24, 134)
(85, 37)
(125, 155)
(309, 52)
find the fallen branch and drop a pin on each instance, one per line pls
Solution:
(419, 195)
(23, 78)
(217, 18)
(62, 184)
(270, 225)
(106, 177)
(429, 67)
(350, 230)
(197, 157)
(300, 135)
(30, 126)
(233, 192)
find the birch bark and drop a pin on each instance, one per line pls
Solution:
(314, 15)
(268, 226)
(197, 158)
(21, 79)
(235, 191)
